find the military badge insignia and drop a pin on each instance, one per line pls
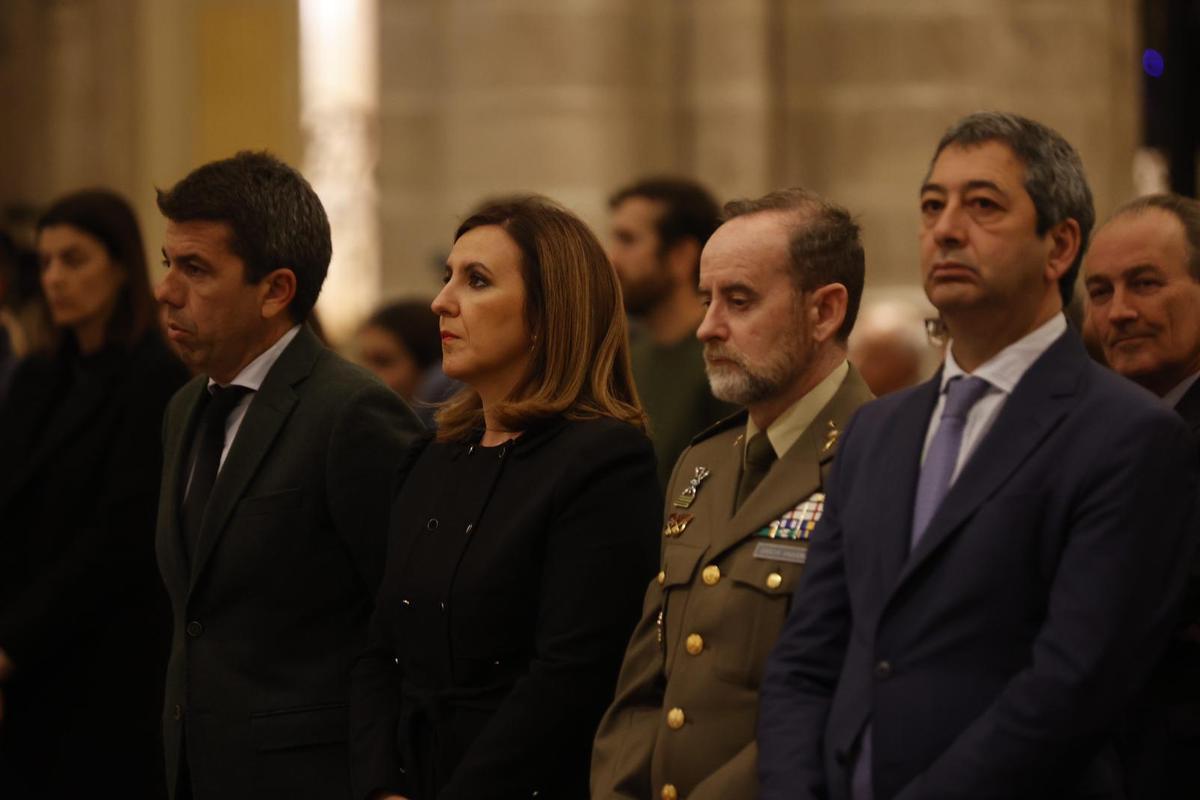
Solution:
(798, 523)
(831, 437)
(676, 524)
(688, 495)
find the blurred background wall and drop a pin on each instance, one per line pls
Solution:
(405, 113)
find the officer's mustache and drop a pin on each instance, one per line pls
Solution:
(718, 351)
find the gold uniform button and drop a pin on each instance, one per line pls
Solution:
(774, 580)
(662, 578)
(695, 644)
(669, 792)
(711, 574)
(675, 719)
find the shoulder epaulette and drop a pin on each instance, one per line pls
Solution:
(732, 421)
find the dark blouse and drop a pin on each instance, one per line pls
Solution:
(515, 576)
(83, 614)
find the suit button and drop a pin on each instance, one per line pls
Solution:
(178, 712)
(669, 792)
(194, 629)
(662, 578)
(432, 525)
(695, 644)
(883, 670)
(711, 575)
(774, 580)
(840, 757)
(675, 719)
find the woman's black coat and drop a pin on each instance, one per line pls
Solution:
(515, 576)
(83, 615)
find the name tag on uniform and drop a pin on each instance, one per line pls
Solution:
(792, 553)
(798, 523)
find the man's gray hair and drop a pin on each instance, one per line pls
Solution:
(1054, 175)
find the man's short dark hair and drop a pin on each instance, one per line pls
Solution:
(689, 210)
(825, 244)
(1184, 209)
(276, 217)
(1054, 177)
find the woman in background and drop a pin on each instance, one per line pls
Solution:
(400, 343)
(522, 538)
(84, 624)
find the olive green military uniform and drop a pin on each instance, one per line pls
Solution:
(683, 721)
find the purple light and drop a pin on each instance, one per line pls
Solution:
(1152, 63)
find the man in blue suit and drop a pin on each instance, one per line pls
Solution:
(1003, 548)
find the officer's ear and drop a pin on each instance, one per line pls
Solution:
(827, 310)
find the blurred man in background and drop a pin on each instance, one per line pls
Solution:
(890, 347)
(659, 227)
(1142, 275)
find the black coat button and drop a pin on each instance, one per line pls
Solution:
(432, 525)
(840, 757)
(883, 670)
(194, 628)
(178, 712)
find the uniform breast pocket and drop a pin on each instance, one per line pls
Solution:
(759, 593)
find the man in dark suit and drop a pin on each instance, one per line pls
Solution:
(272, 522)
(1142, 274)
(1004, 546)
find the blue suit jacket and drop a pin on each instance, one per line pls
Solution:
(994, 660)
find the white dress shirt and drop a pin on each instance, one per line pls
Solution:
(1002, 372)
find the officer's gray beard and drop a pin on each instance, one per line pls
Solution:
(747, 384)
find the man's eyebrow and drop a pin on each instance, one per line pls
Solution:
(186, 258)
(929, 186)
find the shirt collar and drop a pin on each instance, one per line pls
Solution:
(1005, 369)
(254, 373)
(1173, 397)
(786, 429)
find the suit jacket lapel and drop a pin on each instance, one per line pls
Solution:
(268, 411)
(1188, 407)
(798, 474)
(900, 468)
(1038, 403)
(176, 448)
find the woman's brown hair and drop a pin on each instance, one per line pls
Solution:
(579, 365)
(107, 217)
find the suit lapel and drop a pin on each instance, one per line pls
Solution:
(899, 471)
(269, 409)
(1188, 407)
(175, 461)
(1040, 400)
(798, 474)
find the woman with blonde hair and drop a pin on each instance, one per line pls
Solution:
(522, 538)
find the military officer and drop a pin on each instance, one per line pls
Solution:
(781, 280)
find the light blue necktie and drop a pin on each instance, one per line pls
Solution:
(962, 393)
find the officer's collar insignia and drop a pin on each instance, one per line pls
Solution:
(798, 523)
(831, 437)
(688, 495)
(676, 524)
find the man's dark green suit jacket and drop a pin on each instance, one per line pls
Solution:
(273, 607)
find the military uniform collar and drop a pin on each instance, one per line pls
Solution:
(786, 430)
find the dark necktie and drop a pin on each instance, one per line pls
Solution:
(962, 393)
(210, 441)
(760, 455)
